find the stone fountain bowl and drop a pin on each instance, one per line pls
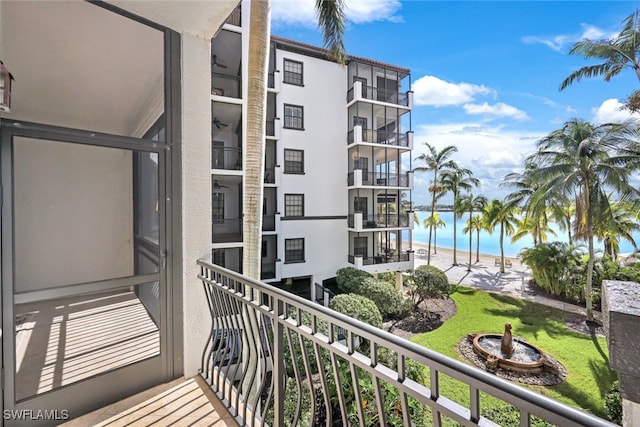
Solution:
(525, 358)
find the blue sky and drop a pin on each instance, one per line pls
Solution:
(485, 74)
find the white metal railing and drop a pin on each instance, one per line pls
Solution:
(277, 359)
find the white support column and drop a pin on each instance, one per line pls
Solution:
(196, 192)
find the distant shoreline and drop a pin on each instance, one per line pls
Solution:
(460, 252)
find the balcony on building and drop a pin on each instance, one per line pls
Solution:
(364, 179)
(360, 221)
(226, 138)
(226, 69)
(272, 128)
(270, 166)
(269, 209)
(379, 125)
(379, 83)
(269, 263)
(226, 213)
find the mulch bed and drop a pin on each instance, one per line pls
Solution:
(431, 314)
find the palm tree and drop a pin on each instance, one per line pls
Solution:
(622, 225)
(524, 185)
(454, 180)
(618, 53)
(476, 224)
(585, 161)
(435, 161)
(502, 213)
(331, 21)
(434, 222)
(470, 204)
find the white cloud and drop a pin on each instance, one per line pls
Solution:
(491, 152)
(611, 111)
(302, 12)
(495, 111)
(430, 90)
(559, 42)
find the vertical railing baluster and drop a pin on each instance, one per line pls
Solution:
(356, 391)
(404, 404)
(339, 390)
(474, 403)
(382, 416)
(278, 374)
(435, 393)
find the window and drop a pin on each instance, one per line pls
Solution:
(293, 250)
(360, 121)
(294, 205)
(264, 249)
(293, 116)
(361, 163)
(360, 246)
(293, 161)
(293, 72)
(217, 208)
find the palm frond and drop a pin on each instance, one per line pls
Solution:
(331, 20)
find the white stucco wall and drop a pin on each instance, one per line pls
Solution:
(323, 140)
(55, 245)
(196, 192)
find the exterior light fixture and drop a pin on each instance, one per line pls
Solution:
(5, 88)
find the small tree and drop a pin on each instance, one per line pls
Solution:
(426, 282)
(358, 307)
(350, 279)
(385, 296)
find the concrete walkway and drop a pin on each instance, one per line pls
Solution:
(485, 275)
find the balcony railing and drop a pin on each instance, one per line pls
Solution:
(381, 220)
(236, 17)
(228, 158)
(267, 346)
(380, 137)
(378, 179)
(271, 128)
(381, 258)
(380, 94)
(225, 85)
(269, 176)
(227, 230)
(268, 222)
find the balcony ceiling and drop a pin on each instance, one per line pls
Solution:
(79, 65)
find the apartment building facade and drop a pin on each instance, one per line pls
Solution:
(337, 178)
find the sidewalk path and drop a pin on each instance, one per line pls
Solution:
(485, 275)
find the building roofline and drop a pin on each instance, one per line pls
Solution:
(318, 52)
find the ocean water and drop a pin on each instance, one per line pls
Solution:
(489, 243)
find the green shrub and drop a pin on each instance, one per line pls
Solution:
(509, 416)
(426, 282)
(358, 307)
(350, 279)
(385, 296)
(613, 404)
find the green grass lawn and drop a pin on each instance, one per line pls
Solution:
(585, 358)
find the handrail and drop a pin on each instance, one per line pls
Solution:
(263, 325)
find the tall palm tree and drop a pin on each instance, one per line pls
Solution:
(501, 213)
(435, 161)
(454, 180)
(434, 222)
(618, 53)
(470, 204)
(587, 161)
(623, 224)
(476, 224)
(331, 21)
(535, 209)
